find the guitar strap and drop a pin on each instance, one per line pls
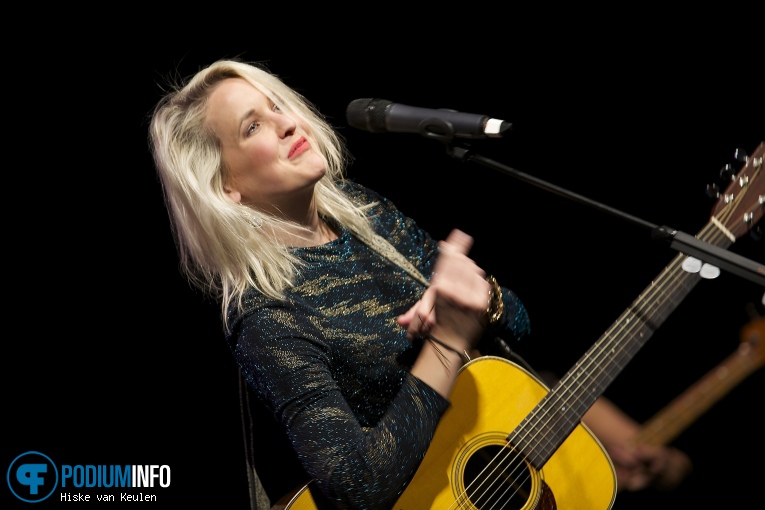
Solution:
(259, 500)
(387, 250)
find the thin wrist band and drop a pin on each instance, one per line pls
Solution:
(462, 354)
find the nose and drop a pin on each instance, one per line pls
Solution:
(285, 125)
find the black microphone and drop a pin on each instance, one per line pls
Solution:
(379, 115)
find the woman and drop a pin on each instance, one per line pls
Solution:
(349, 322)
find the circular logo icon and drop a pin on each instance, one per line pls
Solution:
(32, 477)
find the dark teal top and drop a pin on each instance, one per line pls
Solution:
(330, 363)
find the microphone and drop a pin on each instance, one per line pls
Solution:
(379, 115)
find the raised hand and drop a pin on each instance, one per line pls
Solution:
(453, 308)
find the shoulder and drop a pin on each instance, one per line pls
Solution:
(254, 306)
(262, 323)
(378, 205)
(359, 193)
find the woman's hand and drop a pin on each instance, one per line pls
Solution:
(451, 314)
(453, 308)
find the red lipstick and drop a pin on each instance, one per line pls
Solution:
(299, 147)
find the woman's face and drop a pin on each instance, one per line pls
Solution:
(271, 163)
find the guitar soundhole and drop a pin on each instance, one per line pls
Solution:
(497, 477)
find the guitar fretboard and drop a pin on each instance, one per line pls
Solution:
(543, 430)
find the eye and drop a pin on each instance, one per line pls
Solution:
(255, 125)
(252, 128)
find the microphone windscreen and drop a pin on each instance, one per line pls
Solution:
(367, 114)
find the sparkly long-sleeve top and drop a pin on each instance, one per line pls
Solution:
(331, 363)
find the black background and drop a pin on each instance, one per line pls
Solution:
(112, 358)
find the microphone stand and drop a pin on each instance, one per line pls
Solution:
(677, 240)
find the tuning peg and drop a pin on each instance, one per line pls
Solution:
(756, 233)
(713, 191)
(740, 155)
(727, 172)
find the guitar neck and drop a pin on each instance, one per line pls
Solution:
(540, 434)
(674, 418)
(545, 428)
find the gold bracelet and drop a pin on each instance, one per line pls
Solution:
(496, 306)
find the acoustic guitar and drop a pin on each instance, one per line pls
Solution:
(664, 426)
(549, 459)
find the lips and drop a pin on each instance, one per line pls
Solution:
(299, 147)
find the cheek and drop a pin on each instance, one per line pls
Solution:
(253, 159)
(260, 152)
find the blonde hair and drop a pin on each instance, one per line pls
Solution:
(224, 247)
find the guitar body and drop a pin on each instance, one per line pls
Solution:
(491, 396)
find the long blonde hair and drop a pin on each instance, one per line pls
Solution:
(226, 248)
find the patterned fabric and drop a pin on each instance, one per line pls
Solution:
(331, 364)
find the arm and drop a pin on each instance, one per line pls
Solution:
(344, 427)
(637, 466)
(453, 310)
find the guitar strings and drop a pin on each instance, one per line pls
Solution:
(499, 465)
(631, 328)
(650, 305)
(712, 237)
(675, 417)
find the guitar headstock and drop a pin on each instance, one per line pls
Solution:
(742, 204)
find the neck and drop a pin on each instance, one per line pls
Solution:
(303, 211)
(302, 236)
(317, 232)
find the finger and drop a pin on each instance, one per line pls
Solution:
(637, 482)
(420, 318)
(649, 453)
(424, 315)
(405, 318)
(624, 456)
(457, 240)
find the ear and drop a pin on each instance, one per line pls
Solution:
(233, 194)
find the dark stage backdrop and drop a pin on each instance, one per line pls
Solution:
(114, 360)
